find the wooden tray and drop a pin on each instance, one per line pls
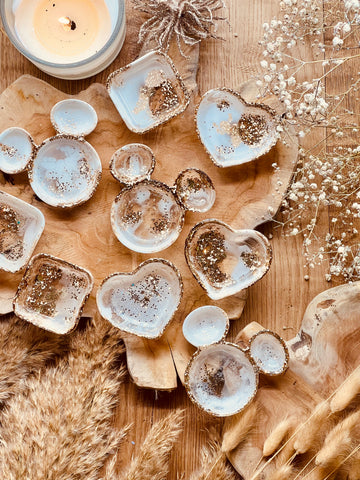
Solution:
(247, 196)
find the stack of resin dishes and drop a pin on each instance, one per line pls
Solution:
(147, 216)
(148, 92)
(64, 170)
(222, 378)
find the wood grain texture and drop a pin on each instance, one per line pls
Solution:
(279, 300)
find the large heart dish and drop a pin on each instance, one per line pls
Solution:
(225, 261)
(232, 131)
(144, 301)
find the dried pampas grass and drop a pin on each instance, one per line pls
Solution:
(238, 427)
(347, 392)
(307, 434)
(213, 465)
(59, 427)
(338, 442)
(277, 436)
(24, 349)
(282, 473)
(152, 461)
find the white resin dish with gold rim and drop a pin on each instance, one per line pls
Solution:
(73, 117)
(132, 163)
(144, 301)
(21, 226)
(65, 171)
(206, 325)
(225, 261)
(221, 379)
(16, 150)
(148, 92)
(269, 352)
(52, 293)
(232, 131)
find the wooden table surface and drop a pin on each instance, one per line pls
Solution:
(277, 302)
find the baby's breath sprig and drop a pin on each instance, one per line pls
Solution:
(306, 51)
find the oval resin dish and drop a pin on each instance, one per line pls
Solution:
(269, 352)
(73, 117)
(221, 379)
(16, 150)
(232, 131)
(206, 325)
(144, 301)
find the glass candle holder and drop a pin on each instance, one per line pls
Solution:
(72, 65)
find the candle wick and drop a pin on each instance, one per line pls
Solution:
(67, 23)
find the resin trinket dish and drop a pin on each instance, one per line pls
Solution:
(147, 216)
(16, 150)
(206, 325)
(148, 92)
(66, 169)
(269, 352)
(52, 293)
(232, 131)
(21, 226)
(221, 379)
(225, 261)
(144, 301)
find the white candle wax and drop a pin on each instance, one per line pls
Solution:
(66, 38)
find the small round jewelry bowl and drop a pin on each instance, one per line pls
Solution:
(52, 293)
(195, 190)
(73, 117)
(16, 150)
(269, 352)
(132, 163)
(65, 171)
(221, 379)
(147, 217)
(144, 301)
(206, 325)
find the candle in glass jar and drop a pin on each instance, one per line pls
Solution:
(64, 31)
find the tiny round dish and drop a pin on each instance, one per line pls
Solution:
(195, 190)
(16, 150)
(205, 326)
(269, 352)
(147, 217)
(221, 379)
(132, 163)
(73, 117)
(65, 171)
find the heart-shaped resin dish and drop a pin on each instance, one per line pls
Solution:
(21, 226)
(52, 293)
(232, 131)
(144, 301)
(148, 92)
(225, 261)
(221, 379)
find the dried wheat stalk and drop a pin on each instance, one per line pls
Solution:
(60, 427)
(238, 427)
(213, 465)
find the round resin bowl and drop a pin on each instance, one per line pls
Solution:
(269, 352)
(132, 163)
(221, 379)
(65, 171)
(147, 217)
(206, 325)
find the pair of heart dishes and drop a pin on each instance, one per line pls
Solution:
(65, 170)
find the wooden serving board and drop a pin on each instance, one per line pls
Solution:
(247, 196)
(322, 355)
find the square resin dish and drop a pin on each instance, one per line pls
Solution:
(148, 92)
(52, 293)
(21, 226)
